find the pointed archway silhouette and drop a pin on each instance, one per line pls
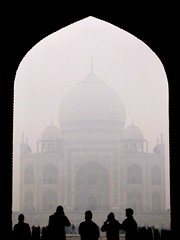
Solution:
(7, 210)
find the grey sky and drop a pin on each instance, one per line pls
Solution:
(61, 60)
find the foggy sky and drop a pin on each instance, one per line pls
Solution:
(60, 61)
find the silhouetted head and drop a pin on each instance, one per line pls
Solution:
(88, 215)
(21, 217)
(110, 216)
(129, 212)
(60, 210)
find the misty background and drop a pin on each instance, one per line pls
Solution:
(60, 61)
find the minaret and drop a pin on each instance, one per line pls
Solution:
(161, 138)
(159, 148)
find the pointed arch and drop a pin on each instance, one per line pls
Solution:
(134, 174)
(113, 73)
(156, 201)
(134, 200)
(50, 174)
(156, 175)
(92, 187)
(50, 200)
(29, 201)
(29, 175)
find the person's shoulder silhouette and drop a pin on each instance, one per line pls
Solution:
(112, 227)
(88, 229)
(129, 225)
(57, 223)
(21, 229)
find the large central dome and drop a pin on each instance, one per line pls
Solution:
(92, 104)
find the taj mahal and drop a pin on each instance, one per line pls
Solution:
(92, 161)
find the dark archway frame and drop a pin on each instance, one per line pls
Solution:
(22, 30)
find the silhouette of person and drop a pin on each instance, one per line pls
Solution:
(56, 225)
(73, 228)
(44, 233)
(112, 227)
(129, 225)
(22, 229)
(35, 233)
(88, 230)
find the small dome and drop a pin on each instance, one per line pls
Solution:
(51, 133)
(132, 132)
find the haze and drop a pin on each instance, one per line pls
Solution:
(61, 60)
